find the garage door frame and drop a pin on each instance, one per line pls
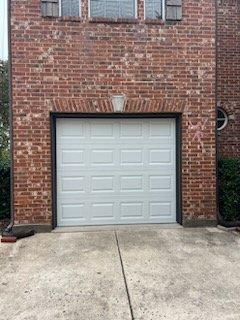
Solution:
(56, 115)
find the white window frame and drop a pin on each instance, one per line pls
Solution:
(163, 10)
(221, 119)
(89, 11)
(60, 9)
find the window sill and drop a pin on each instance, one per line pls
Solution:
(65, 18)
(112, 20)
(154, 21)
(69, 18)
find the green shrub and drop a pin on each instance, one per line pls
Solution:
(4, 143)
(4, 186)
(229, 189)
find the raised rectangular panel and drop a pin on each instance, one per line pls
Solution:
(159, 156)
(131, 209)
(131, 129)
(72, 128)
(158, 209)
(72, 156)
(102, 157)
(131, 183)
(102, 184)
(102, 210)
(131, 156)
(159, 129)
(159, 183)
(101, 129)
(73, 211)
(73, 184)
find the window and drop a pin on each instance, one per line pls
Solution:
(70, 8)
(222, 119)
(113, 8)
(154, 9)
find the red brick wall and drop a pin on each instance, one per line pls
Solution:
(229, 74)
(73, 66)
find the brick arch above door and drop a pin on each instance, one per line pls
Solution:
(103, 105)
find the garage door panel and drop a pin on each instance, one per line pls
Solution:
(132, 209)
(164, 168)
(102, 210)
(71, 128)
(143, 186)
(120, 155)
(113, 171)
(146, 171)
(131, 156)
(101, 157)
(158, 183)
(76, 184)
(130, 183)
(160, 209)
(117, 212)
(102, 184)
(131, 129)
(70, 157)
(76, 211)
(103, 129)
(159, 156)
(160, 128)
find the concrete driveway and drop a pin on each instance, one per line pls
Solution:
(129, 273)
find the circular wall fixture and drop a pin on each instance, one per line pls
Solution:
(222, 119)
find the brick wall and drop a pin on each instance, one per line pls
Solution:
(229, 74)
(73, 66)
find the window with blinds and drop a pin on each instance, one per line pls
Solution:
(154, 9)
(112, 8)
(169, 10)
(70, 8)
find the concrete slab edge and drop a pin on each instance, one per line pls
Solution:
(112, 228)
(193, 223)
(38, 228)
(227, 229)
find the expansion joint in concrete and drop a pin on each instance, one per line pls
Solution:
(124, 277)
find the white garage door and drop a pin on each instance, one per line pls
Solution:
(116, 171)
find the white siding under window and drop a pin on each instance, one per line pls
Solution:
(154, 9)
(112, 8)
(70, 8)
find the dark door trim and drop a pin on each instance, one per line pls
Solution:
(177, 116)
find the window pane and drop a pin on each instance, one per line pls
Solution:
(127, 9)
(153, 9)
(75, 7)
(222, 119)
(220, 123)
(113, 8)
(70, 8)
(97, 8)
(220, 114)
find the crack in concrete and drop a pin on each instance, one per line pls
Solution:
(124, 277)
